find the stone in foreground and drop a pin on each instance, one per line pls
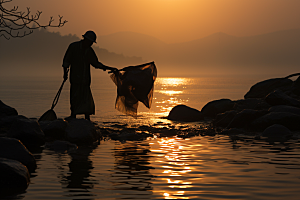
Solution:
(81, 132)
(28, 131)
(14, 177)
(12, 148)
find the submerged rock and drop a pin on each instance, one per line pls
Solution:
(61, 146)
(6, 110)
(211, 109)
(11, 148)
(28, 131)
(81, 132)
(14, 177)
(185, 113)
(263, 88)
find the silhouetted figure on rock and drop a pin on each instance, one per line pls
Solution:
(79, 56)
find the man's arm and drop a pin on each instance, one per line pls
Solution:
(67, 62)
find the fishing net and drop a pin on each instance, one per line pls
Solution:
(134, 84)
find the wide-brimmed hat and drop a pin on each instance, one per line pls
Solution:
(90, 35)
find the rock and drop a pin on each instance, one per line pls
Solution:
(279, 98)
(54, 129)
(232, 131)
(5, 123)
(284, 108)
(263, 88)
(286, 119)
(11, 148)
(61, 146)
(245, 117)
(223, 119)
(81, 132)
(276, 130)
(14, 177)
(6, 110)
(215, 107)
(252, 103)
(185, 113)
(28, 131)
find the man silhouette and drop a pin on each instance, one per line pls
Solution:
(79, 56)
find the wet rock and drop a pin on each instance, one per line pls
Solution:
(215, 107)
(14, 177)
(5, 122)
(280, 98)
(54, 129)
(81, 132)
(28, 131)
(11, 148)
(276, 130)
(61, 146)
(245, 117)
(252, 103)
(6, 110)
(284, 108)
(185, 113)
(223, 119)
(263, 88)
(286, 119)
(232, 131)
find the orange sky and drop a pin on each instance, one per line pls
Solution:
(171, 20)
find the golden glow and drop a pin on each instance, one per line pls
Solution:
(165, 82)
(170, 92)
(174, 155)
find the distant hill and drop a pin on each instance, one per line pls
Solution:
(41, 53)
(276, 52)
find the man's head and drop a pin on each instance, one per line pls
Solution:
(89, 38)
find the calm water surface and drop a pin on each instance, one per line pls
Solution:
(202, 167)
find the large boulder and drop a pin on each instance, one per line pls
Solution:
(276, 130)
(28, 131)
(54, 129)
(14, 177)
(252, 103)
(263, 88)
(6, 122)
(185, 113)
(81, 132)
(284, 108)
(6, 110)
(11, 148)
(211, 109)
(280, 98)
(245, 117)
(286, 119)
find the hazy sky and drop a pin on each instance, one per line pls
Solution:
(171, 20)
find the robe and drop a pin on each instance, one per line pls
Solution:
(79, 61)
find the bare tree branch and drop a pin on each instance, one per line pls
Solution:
(17, 24)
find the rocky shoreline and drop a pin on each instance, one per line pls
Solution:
(270, 111)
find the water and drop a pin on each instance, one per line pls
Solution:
(201, 167)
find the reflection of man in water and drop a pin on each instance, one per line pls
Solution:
(80, 56)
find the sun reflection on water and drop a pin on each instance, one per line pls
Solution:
(174, 167)
(171, 92)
